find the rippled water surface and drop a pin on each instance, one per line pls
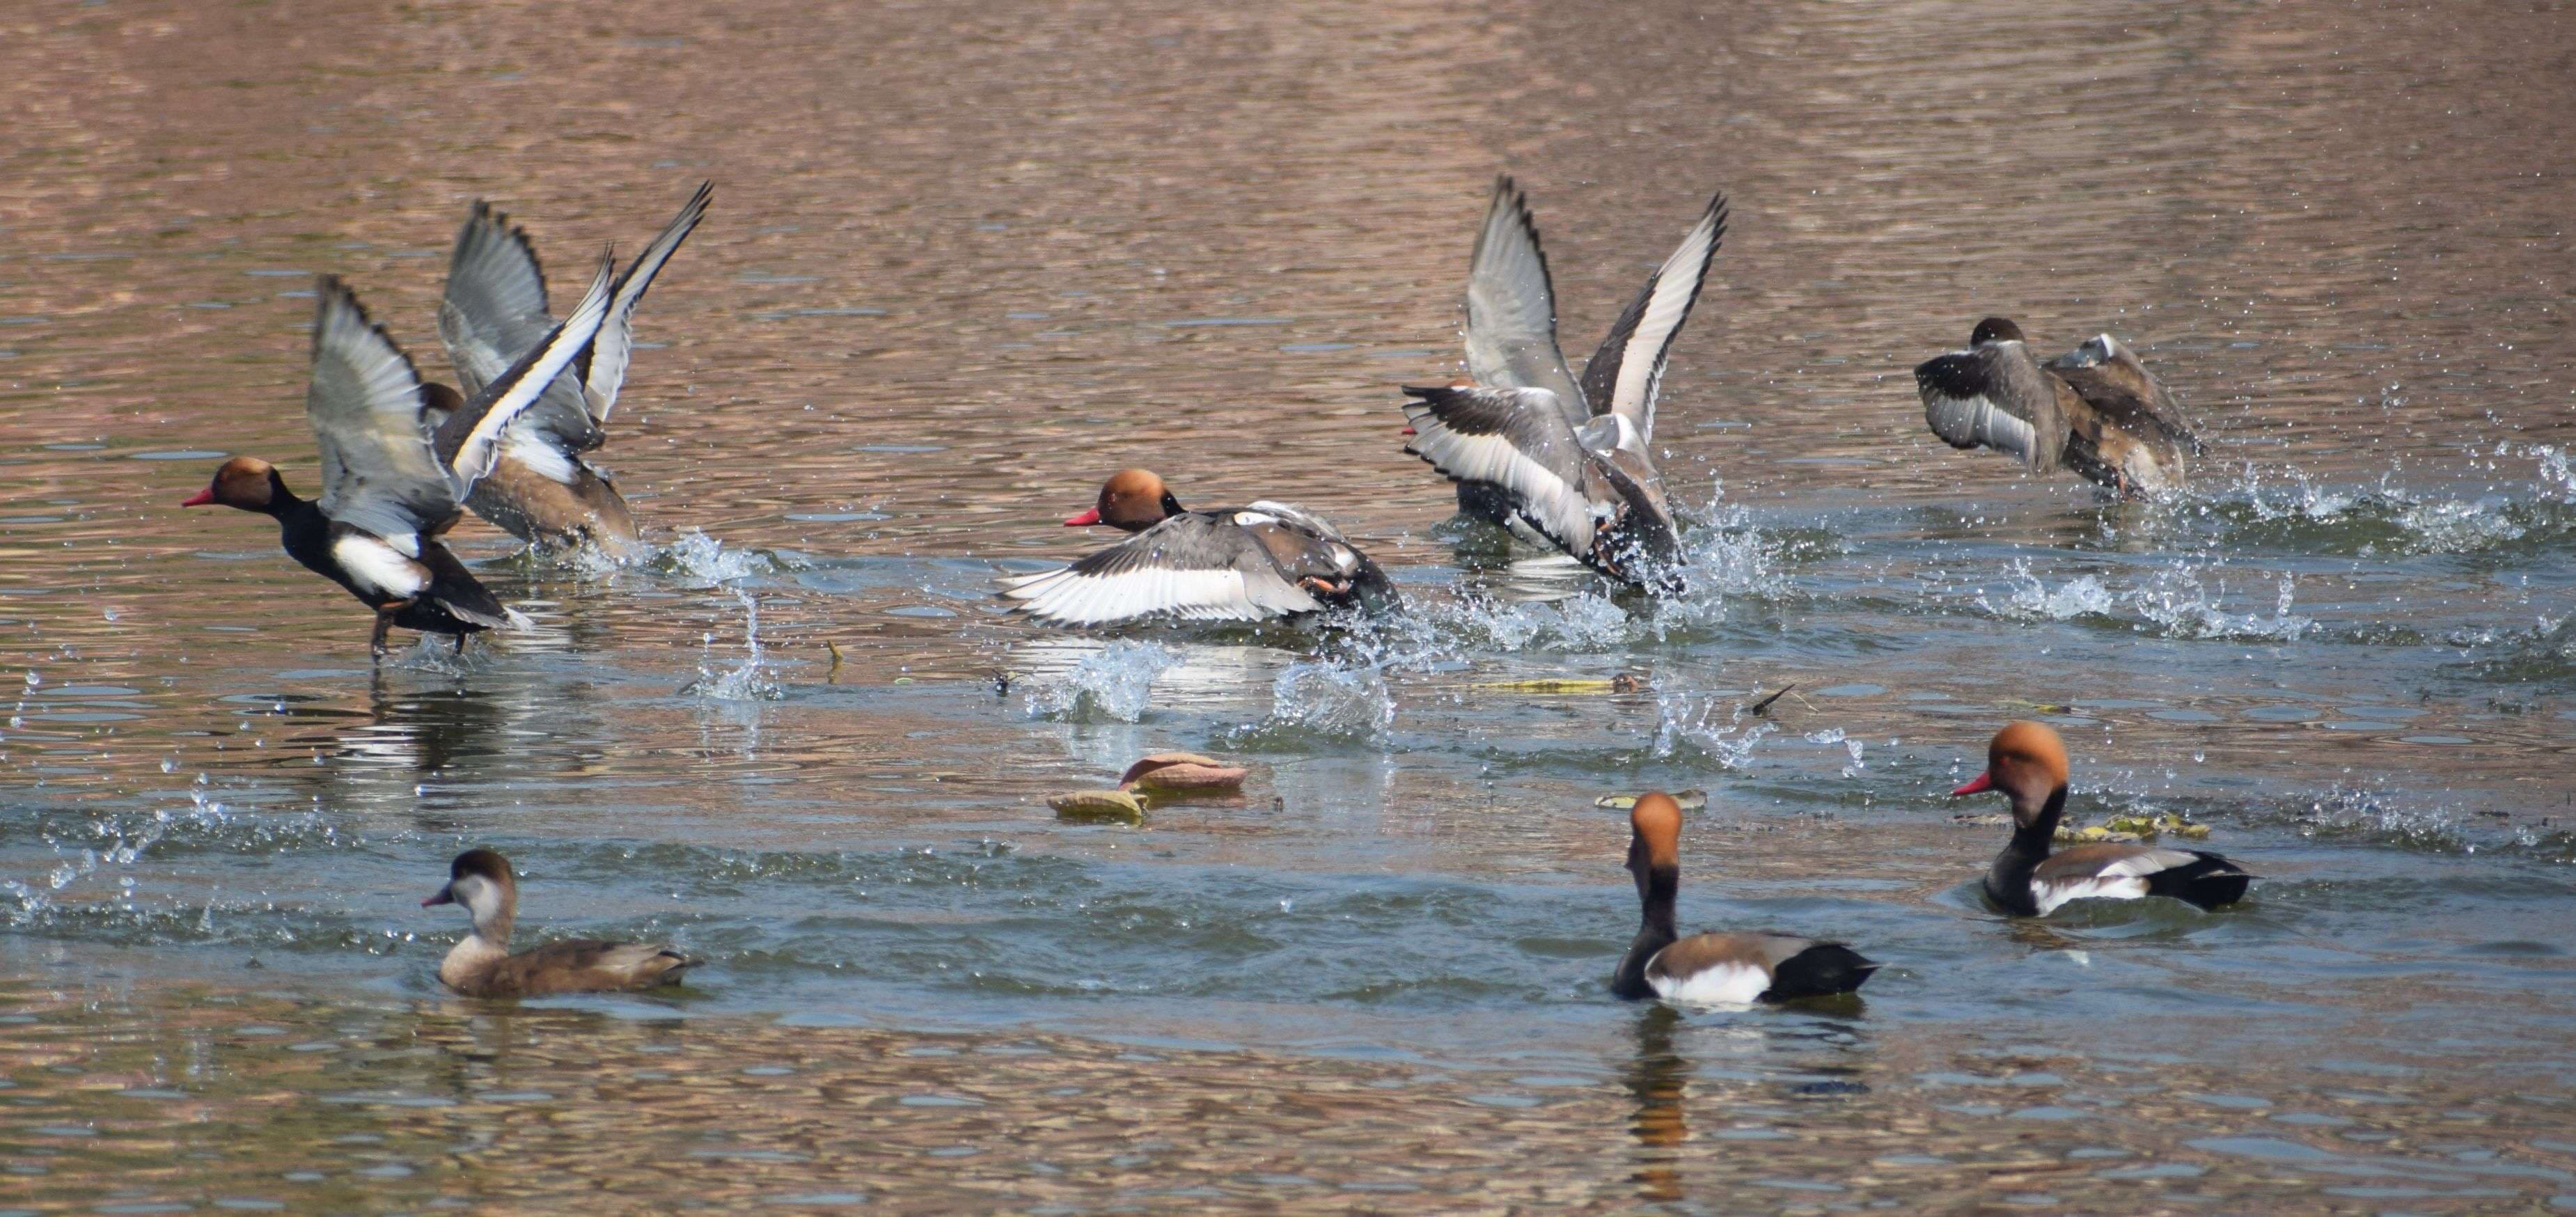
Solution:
(966, 260)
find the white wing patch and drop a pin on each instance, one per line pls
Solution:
(529, 444)
(1553, 505)
(1730, 984)
(1969, 422)
(1066, 597)
(2049, 897)
(380, 566)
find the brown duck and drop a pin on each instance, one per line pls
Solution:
(2095, 410)
(482, 965)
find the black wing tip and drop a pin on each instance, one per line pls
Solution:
(1951, 375)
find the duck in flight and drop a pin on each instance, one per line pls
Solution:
(2027, 762)
(1257, 563)
(2095, 410)
(391, 476)
(543, 489)
(1559, 463)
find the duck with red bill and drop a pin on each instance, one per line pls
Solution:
(2032, 878)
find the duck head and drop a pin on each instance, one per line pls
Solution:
(1995, 329)
(2027, 762)
(1655, 841)
(1132, 500)
(480, 879)
(245, 482)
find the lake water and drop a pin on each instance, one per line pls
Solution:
(966, 260)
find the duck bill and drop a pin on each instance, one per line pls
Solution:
(1084, 520)
(199, 499)
(446, 895)
(1985, 781)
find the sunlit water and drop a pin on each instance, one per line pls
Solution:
(963, 264)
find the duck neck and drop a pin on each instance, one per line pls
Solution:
(1656, 887)
(2034, 834)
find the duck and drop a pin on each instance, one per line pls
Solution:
(482, 965)
(1258, 563)
(1713, 969)
(544, 490)
(2026, 761)
(2095, 410)
(1562, 464)
(391, 476)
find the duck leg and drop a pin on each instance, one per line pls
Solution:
(384, 626)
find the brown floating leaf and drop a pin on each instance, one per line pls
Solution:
(1181, 771)
(1098, 805)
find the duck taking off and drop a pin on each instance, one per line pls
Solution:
(2095, 410)
(2027, 762)
(1253, 563)
(1559, 463)
(391, 479)
(482, 965)
(1713, 969)
(543, 490)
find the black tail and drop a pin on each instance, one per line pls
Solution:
(1821, 970)
(2209, 881)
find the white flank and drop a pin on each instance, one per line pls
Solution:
(2050, 896)
(376, 565)
(1730, 984)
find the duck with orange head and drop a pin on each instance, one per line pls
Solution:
(1713, 969)
(2026, 762)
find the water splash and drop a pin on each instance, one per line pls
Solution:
(2176, 603)
(747, 681)
(1112, 683)
(1685, 729)
(707, 561)
(1313, 700)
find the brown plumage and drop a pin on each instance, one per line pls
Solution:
(482, 965)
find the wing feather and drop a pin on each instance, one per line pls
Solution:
(616, 345)
(1193, 566)
(379, 473)
(1511, 306)
(468, 442)
(1517, 439)
(1627, 371)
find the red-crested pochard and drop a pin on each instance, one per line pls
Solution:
(482, 965)
(1558, 463)
(1235, 564)
(391, 479)
(542, 490)
(2095, 410)
(2027, 762)
(1713, 969)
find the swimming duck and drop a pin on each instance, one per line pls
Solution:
(542, 490)
(482, 965)
(390, 479)
(1562, 464)
(2095, 410)
(1713, 969)
(2027, 762)
(1235, 564)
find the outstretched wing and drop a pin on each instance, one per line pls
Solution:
(494, 311)
(1197, 566)
(616, 345)
(1994, 396)
(1625, 373)
(1519, 440)
(379, 474)
(469, 441)
(2111, 378)
(1511, 306)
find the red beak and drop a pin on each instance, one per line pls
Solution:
(1411, 431)
(444, 896)
(201, 498)
(1985, 781)
(1085, 519)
